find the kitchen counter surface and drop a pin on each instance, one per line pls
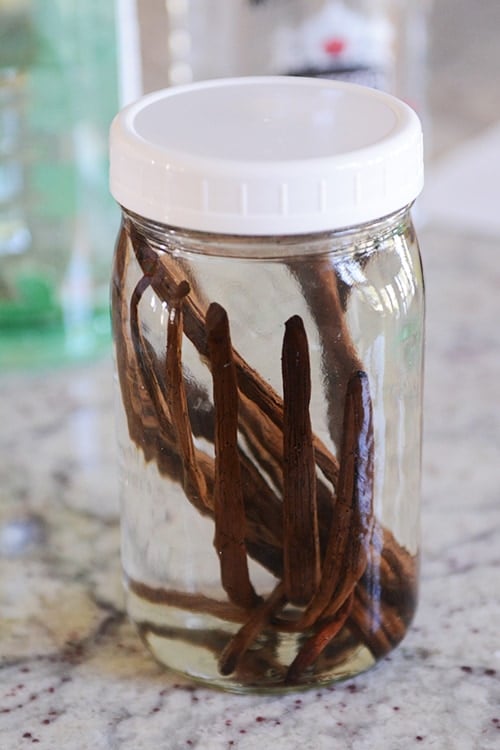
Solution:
(73, 672)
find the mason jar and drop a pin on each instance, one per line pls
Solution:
(268, 325)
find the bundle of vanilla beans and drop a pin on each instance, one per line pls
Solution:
(285, 501)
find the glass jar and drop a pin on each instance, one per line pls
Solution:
(268, 323)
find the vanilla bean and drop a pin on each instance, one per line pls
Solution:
(320, 288)
(143, 425)
(397, 568)
(239, 644)
(368, 624)
(166, 276)
(370, 575)
(147, 371)
(190, 602)
(209, 640)
(129, 376)
(263, 440)
(391, 573)
(194, 481)
(157, 407)
(263, 509)
(262, 506)
(167, 451)
(346, 557)
(230, 522)
(301, 554)
(316, 644)
(265, 443)
(385, 598)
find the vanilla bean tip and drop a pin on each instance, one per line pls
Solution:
(295, 333)
(215, 318)
(228, 663)
(294, 322)
(183, 289)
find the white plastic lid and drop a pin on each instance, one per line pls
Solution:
(267, 155)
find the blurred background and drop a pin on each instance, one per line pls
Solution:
(65, 69)
(58, 93)
(67, 66)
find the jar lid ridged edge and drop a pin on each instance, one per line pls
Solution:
(181, 186)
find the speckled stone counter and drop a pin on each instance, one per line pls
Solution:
(73, 673)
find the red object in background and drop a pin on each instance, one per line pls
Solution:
(334, 46)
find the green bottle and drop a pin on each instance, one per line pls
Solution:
(58, 94)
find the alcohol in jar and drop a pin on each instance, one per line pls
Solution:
(359, 296)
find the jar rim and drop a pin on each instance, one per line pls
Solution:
(189, 242)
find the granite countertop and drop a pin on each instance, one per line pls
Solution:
(73, 672)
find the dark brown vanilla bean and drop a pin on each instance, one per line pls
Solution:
(316, 644)
(142, 418)
(194, 481)
(147, 371)
(263, 439)
(230, 521)
(191, 602)
(320, 288)
(212, 641)
(345, 557)
(128, 374)
(265, 443)
(166, 433)
(243, 639)
(301, 553)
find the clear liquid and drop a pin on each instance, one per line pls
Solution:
(191, 645)
(183, 615)
(175, 595)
